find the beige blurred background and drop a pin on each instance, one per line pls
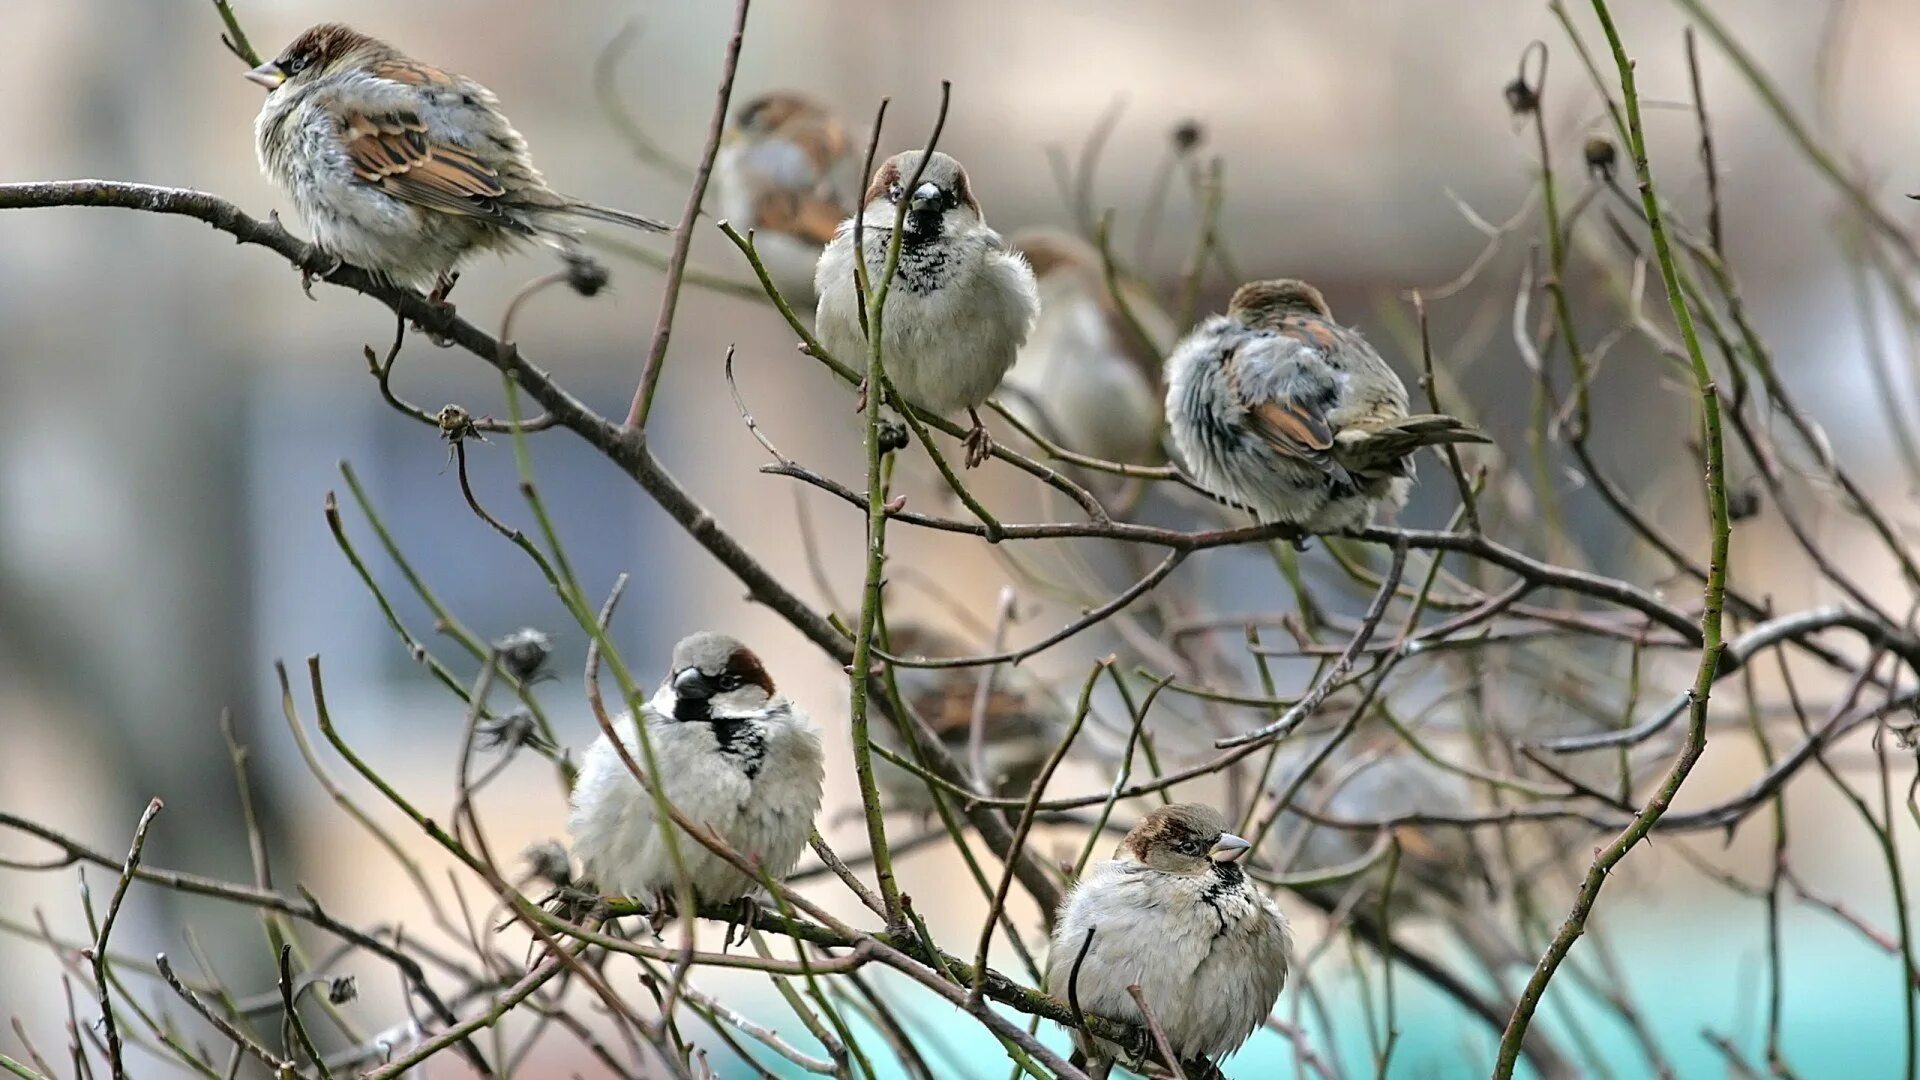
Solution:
(175, 407)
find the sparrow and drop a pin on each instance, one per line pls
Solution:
(1022, 724)
(1085, 379)
(1173, 913)
(401, 168)
(961, 304)
(776, 174)
(1278, 408)
(732, 754)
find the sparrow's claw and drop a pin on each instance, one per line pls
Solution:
(979, 444)
(659, 912)
(442, 288)
(574, 904)
(744, 918)
(307, 276)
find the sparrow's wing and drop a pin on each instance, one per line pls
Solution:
(393, 151)
(1282, 381)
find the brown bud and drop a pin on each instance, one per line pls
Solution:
(1601, 156)
(1188, 134)
(1522, 98)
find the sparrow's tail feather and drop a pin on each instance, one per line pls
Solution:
(1372, 448)
(617, 217)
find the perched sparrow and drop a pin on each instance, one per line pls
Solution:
(961, 303)
(401, 168)
(1022, 724)
(1437, 866)
(1084, 378)
(1279, 408)
(776, 175)
(1174, 914)
(732, 755)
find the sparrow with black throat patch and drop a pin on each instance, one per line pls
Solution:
(1278, 408)
(1174, 914)
(732, 755)
(403, 169)
(961, 303)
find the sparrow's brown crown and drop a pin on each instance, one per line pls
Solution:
(1176, 834)
(321, 48)
(1258, 302)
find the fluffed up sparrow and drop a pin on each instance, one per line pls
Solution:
(401, 168)
(961, 304)
(1277, 407)
(1175, 914)
(732, 755)
(1022, 724)
(1085, 378)
(778, 173)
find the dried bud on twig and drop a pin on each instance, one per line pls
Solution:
(342, 989)
(584, 275)
(524, 652)
(1522, 98)
(1188, 134)
(1601, 156)
(548, 860)
(456, 424)
(511, 730)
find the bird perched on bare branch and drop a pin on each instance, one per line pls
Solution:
(732, 755)
(778, 173)
(961, 304)
(1277, 407)
(1174, 914)
(1085, 377)
(401, 168)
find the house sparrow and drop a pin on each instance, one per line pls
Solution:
(1173, 913)
(777, 174)
(1085, 379)
(403, 169)
(961, 303)
(1277, 407)
(731, 754)
(1022, 724)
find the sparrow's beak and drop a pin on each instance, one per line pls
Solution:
(928, 196)
(268, 75)
(1228, 848)
(690, 683)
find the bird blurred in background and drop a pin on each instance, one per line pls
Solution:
(1088, 377)
(783, 173)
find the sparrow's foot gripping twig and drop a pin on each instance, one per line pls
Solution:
(307, 276)
(979, 444)
(437, 300)
(572, 903)
(744, 918)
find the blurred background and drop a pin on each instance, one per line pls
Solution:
(176, 413)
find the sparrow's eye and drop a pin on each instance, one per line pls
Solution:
(295, 65)
(893, 193)
(730, 681)
(1188, 847)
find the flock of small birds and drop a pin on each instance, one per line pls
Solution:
(406, 170)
